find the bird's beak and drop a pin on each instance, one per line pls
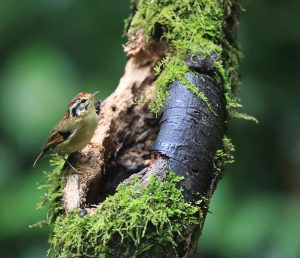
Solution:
(95, 93)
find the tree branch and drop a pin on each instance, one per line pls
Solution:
(182, 60)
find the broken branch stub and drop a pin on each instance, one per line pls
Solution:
(191, 131)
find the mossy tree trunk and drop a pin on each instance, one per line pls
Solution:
(167, 118)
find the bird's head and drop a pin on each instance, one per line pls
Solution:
(82, 104)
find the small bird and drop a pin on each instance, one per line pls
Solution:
(76, 128)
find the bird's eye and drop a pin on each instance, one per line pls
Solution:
(83, 100)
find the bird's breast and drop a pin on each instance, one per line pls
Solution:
(80, 137)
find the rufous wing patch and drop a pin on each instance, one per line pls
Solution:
(54, 139)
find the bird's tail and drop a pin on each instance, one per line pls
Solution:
(38, 158)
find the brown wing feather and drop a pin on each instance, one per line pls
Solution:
(54, 138)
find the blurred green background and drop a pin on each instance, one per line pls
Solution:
(52, 49)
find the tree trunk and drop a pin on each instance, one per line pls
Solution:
(167, 116)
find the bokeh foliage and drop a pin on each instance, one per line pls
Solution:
(52, 49)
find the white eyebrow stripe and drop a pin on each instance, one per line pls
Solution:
(73, 106)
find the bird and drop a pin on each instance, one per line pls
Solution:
(76, 128)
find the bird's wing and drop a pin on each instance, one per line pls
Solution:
(56, 137)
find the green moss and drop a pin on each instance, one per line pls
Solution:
(53, 188)
(135, 222)
(224, 155)
(176, 70)
(195, 25)
(235, 114)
